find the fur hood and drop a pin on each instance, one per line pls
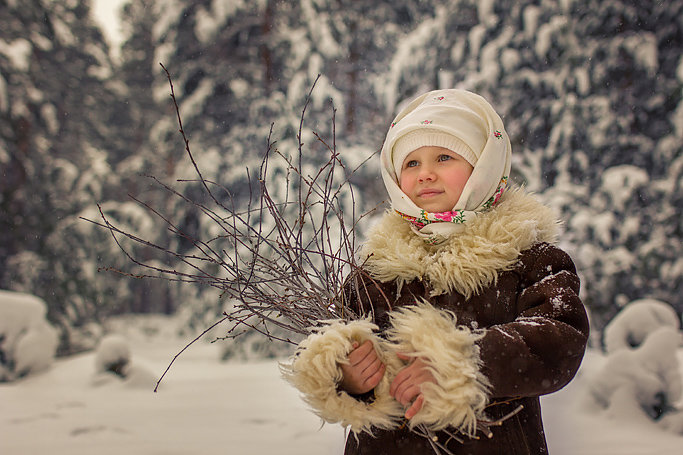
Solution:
(466, 262)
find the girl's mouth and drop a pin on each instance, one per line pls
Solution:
(428, 193)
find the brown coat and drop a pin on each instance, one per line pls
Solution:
(515, 299)
(535, 335)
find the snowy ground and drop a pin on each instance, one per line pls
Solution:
(207, 407)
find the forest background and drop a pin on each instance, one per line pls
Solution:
(590, 92)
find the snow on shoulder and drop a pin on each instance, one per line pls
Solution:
(28, 342)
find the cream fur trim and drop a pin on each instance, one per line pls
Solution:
(460, 394)
(466, 262)
(314, 370)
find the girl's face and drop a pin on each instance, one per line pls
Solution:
(433, 178)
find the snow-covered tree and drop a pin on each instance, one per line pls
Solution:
(590, 93)
(57, 133)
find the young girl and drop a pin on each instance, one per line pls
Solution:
(471, 311)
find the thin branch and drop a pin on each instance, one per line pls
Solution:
(156, 387)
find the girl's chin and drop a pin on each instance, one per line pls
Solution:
(435, 208)
(435, 205)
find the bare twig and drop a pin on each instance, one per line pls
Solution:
(156, 387)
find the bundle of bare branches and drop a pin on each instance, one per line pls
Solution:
(287, 262)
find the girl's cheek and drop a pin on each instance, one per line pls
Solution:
(404, 180)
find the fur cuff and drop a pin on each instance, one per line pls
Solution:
(314, 370)
(460, 394)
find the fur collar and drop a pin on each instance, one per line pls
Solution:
(466, 262)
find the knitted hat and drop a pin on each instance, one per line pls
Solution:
(454, 119)
(428, 137)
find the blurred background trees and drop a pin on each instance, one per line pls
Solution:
(590, 92)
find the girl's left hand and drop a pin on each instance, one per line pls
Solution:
(406, 386)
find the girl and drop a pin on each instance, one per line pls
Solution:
(471, 311)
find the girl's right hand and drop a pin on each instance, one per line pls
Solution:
(364, 370)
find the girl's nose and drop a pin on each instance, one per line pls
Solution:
(426, 174)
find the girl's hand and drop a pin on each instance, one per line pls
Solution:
(364, 370)
(406, 386)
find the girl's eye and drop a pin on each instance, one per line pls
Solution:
(444, 157)
(411, 163)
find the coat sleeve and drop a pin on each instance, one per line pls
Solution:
(315, 371)
(539, 351)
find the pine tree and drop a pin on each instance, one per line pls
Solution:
(55, 140)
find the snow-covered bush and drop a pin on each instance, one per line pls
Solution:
(644, 382)
(113, 355)
(27, 341)
(114, 364)
(636, 321)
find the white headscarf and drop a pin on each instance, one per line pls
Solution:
(477, 127)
